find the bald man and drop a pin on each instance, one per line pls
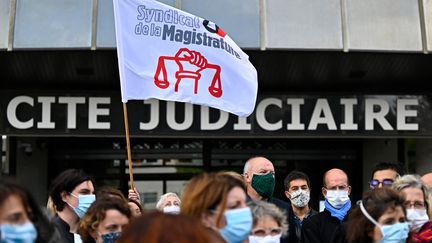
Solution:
(259, 175)
(427, 179)
(322, 226)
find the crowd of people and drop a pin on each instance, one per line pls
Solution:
(224, 207)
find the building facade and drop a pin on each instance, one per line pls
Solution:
(342, 83)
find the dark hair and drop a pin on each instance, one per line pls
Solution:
(66, 182)
(45, 229)
(136, 203)
(152, 227)
(295, 175)
(398, 167)
(97, 213)
(107, 191)
(376, 202)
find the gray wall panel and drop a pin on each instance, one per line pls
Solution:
(428, 18)
(53, 24)
(4, 23)
(105, 34)
(384, 25)
(313, 24)
(240, 19)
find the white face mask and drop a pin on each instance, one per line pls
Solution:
(172, 209)
(300, 198)
(337, 198)
(266, 239)
(417, 218)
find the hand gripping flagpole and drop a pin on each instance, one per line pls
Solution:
(129, 154)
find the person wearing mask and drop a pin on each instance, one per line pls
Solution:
(384, 174)
(415, 193)
(105, 220)
(259, 176)
(297, 190)
(269, 223)
(72, 193)
(169, 203)
(218, 200)
(21, 218)
(379, 217)
(322, 226)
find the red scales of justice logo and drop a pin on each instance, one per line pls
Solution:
(191, 64)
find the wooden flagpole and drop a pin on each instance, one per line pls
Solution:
(129, 153)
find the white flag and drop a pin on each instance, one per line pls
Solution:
(169, 54)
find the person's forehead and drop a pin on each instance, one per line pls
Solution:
(261, 163)
(413, 194)
(265, 222)
(171, 199)
(85, 185)
(113, 216)
(392, 212)
(336, 178)
(385, 174)
(298, 182)
(236, 194)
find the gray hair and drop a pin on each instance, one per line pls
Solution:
(164, 197)
(261, 209)
(413, 181)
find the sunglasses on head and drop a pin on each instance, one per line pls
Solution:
(375, 183)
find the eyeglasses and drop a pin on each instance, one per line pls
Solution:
(264, 232)
(415, 205)
(375, 183)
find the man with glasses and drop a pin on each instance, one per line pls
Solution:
(322, 226)
(384, 174)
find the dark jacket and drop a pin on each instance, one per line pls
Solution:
(64, 230)
(320, 228)
(292, 232)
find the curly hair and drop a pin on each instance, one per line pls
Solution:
(96, 214)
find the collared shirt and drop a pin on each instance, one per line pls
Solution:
(299, 223)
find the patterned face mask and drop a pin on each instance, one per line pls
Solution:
(300, 198)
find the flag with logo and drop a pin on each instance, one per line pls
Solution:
(169, 54)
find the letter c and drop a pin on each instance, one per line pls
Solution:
(11, 112)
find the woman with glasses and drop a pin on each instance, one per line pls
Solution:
(416, 194)
(269, 223)
(379, 217)
(218, 200)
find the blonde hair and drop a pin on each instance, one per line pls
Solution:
(414, 181)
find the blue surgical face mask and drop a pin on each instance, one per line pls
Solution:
(110, 237)
(84, 202)
(239, 225)
(24, 233)
(395, 233)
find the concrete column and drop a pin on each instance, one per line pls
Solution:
(375, 151)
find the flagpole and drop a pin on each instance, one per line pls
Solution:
(129, 154)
